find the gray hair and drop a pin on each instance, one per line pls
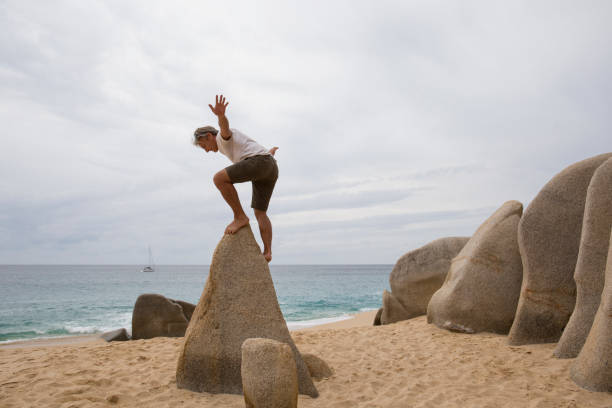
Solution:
(202, 132)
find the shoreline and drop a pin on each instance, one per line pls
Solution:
(353, 320)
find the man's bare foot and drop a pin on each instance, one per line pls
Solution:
(273, 150)
(268, 255)
(235, 225)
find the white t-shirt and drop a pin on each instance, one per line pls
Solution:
(239, 146)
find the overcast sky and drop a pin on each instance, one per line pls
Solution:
(398, 122)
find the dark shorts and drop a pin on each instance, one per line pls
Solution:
(262, 172)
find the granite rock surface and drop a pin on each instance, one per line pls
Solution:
(592, 369)
(483, 284)
(238, 302)
(269, 374)
(591, 265)
(549, 240)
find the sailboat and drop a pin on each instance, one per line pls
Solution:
(149, 267)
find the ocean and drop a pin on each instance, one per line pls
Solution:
(43, 301)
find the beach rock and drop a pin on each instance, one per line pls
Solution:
(483, 284)
(115, 335)
(419, 273)
(377, 317)
(157, 316)
(392, 310)
(549, 239)
(591, 265)
(269, 374)
(238, 302)
(592, 369)
(317, 368)
(187, 307)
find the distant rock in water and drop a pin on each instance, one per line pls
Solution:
(238, 302)
(157, 316)
(483, 284)
(418, 274)
(549, 239)
(592, 369)
(590, 268)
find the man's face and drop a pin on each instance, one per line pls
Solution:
(208, 143)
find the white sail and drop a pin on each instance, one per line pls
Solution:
(149, 267)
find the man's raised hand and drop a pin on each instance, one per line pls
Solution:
(220, 105)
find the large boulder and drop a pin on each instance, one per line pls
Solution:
(157, 316)
(392, 310)
(591, 265)
(593, 367)
(483, 284)
(549, 239)
(269, 374)
(419, 273)
(238, 302)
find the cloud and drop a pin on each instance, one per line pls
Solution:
(397, 123)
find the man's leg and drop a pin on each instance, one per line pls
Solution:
(229, 193)
(265, 229)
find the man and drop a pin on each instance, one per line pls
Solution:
(252, 162)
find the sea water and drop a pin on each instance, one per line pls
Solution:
(41, 301)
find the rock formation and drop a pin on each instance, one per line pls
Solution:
(317, 367)
(483, 284)
(377, 317)
(392, 310)
(238, 302)
(549, 238)
(419, 273)
(188, 308)
(157, 316)
(593, 367)
(591, 265)
(269, 374)
(115, 335)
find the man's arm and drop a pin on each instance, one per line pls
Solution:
(219, 111)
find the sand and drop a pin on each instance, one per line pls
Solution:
(406, 364)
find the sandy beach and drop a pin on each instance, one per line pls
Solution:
(407, 364)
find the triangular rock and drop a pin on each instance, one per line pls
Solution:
(238, 302)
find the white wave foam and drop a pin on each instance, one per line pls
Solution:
(315, 322)
(108, 323)
(81, 329)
